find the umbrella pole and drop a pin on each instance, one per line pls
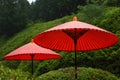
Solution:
(32, 56)
(75, 41)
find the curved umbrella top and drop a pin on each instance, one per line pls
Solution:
(31, 49)
(75, 25)
(88, 37)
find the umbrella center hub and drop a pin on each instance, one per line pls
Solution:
(75, 33)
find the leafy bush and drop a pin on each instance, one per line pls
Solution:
(97, 2)
(90, 12)
(83, 74)
(112, 2)
(111, 20)
(56, 8)
(9, 74)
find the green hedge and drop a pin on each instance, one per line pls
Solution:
(83, 74)
(60, 74)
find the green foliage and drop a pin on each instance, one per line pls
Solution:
(111, 20)
(2, 40)
(49, 10)
(112, 2)
(96, 2)
(51, 65)
(24, 67)
(90, 12)
(60, 74)
(13, 16)
(8, 74)
(105, 17)
(105, 2)
(83, 74)
(81, 2)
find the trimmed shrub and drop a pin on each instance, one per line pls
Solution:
(83, 74)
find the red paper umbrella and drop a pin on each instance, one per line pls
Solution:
(76, 36)
(31, 51)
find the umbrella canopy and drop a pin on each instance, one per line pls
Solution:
(31, 51)
(89, 37)
(76, 36)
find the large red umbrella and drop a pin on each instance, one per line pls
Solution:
(75, 36)
(31, 51)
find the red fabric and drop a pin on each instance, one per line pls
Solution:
(24, 53)
(94, 38)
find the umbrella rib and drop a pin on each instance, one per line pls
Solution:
(49, 43)
(90, 43)
(55, 42)
(63, 45)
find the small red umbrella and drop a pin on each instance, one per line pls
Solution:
(31, 51)
(75, 36)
